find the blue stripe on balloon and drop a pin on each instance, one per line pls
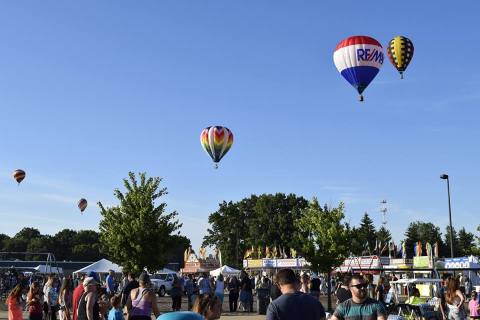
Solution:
(360, 77)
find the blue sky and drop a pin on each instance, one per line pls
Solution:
(91, 90)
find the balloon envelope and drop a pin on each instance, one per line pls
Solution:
(216, 141)
(400, 53)
(82, 204)
(358, 59)
(19, 175)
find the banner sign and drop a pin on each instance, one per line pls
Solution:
(269, 263)
(257, 263)
(422, 262)
(287, 263)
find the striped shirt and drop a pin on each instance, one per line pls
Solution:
(370, 309)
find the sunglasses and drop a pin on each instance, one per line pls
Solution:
(360, 286)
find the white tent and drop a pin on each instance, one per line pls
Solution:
(43, 268)
(226, 271)
(101, 266)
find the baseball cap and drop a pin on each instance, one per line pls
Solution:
(94, 275)
(89, 281)
(180, 315)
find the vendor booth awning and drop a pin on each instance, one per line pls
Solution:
(101, 266)
(226, 271)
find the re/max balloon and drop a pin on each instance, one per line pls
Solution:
(18, 175)
(400, 53)
(216, 141)
(358, 59)
(82, 204)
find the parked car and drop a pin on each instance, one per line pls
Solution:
(162, 282)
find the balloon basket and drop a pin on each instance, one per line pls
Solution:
(360, 98)
(215, 166)
(401, 75)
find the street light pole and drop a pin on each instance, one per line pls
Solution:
(445, 177)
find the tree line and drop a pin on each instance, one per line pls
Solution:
(66, 245)
(292, 224)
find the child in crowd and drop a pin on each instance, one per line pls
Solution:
(116, 312)
(473, 306)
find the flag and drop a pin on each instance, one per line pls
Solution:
(429, 250)
(435, 249)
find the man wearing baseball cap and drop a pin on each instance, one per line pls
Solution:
(88, 308)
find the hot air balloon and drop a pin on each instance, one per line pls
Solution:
(400, 53)
(82, 204)
(18, 175)
(216, 141)
(358, 59)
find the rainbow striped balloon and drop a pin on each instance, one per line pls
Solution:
(216, 141)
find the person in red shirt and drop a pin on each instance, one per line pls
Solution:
(77, 294)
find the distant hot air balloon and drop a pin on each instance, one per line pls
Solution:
(216, 141)
(358, 59)
(82, 204)
(400, 53)
(19, 175)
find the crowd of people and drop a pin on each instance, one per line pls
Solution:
(288, 295)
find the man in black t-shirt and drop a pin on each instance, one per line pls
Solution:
(293, 304)
(343, 292)
(132, 284)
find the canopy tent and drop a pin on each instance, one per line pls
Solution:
(43, 268)
(101, 266)
(226, 271)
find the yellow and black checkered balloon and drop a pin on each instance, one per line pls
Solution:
(400, 53)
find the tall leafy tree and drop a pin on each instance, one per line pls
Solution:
(273, 221)
(424, 232)
(86, 245)
(64, 242)
(327, 243)
(137, 232)
(228, 229)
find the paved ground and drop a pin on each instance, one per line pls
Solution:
(165, 306)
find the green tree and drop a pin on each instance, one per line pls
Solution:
(136, 233)
(357, 246)
(456, 245)
(367, 234)
(466, 243)
(41, 244)
(258, 221)
(424, 232)
(227, 232)
(28, 234)
(3, 238)
(86, 245)
(64, 242)
(384, 237)
(327, 243)
(273, 221)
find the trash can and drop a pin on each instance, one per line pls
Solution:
(263, 299)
